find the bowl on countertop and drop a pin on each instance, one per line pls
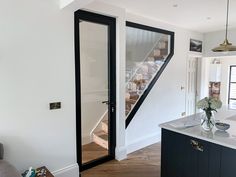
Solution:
(222, 126)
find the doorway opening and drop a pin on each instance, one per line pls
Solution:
(193, 83)
(95, 69)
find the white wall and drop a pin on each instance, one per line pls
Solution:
(166, 101)
(204, 79)
(213, 39)
(139, 43)
(225, 67)
(37, 67)
(225, 61)
(74, 4)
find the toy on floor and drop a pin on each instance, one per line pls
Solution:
(42, 172)
(29, 173)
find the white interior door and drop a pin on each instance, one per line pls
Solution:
(191, 90)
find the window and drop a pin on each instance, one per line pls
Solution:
(232, 87)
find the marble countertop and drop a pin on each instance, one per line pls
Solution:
(190, 126)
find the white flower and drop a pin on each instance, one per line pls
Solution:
(215, 103)
(209, 104)
(203, 103)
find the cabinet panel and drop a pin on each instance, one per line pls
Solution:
(190, 159)
(172, 159)
(228, 162)
(196, 158)
(214, 160)
(203, 159)
(184, 156)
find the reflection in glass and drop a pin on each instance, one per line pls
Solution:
(146, 52)
(94, 90)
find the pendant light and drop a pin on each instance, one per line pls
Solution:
(226, 46)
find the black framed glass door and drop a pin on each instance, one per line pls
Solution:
(95, 88)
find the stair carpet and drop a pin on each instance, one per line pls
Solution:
(101, 137)
(144, 74)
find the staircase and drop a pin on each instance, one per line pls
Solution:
(141, 79)
(99, 134)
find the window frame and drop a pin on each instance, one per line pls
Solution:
(230, 71)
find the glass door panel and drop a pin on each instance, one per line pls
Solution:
(94, 56)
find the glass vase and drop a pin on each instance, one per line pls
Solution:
(207, 122)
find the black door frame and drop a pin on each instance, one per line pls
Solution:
(156, 77)
(82, 15)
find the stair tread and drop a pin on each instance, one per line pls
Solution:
(102, 135)
(105, 137)
(131, 101)
(101, 138)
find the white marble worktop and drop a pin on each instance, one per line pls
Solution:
(190, 126)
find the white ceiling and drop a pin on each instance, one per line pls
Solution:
(190, 14)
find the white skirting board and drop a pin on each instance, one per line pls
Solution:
(70, 171)
(143, 142)
(121, 153)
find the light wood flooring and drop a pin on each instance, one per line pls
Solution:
(92, 151)
(142, 163)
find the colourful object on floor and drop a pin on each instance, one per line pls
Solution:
(29, 173)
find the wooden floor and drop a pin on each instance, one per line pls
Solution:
(142, 163)
(92, 151)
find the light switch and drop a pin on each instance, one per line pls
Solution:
(55, 105)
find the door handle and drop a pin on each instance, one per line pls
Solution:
(196, 145)
(113, 105)
(108, 103)
(105, 102)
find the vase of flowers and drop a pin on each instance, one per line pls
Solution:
(209, 105)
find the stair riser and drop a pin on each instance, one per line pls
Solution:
(101, 142)
(105, 127)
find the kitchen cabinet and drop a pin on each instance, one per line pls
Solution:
(186, 156)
